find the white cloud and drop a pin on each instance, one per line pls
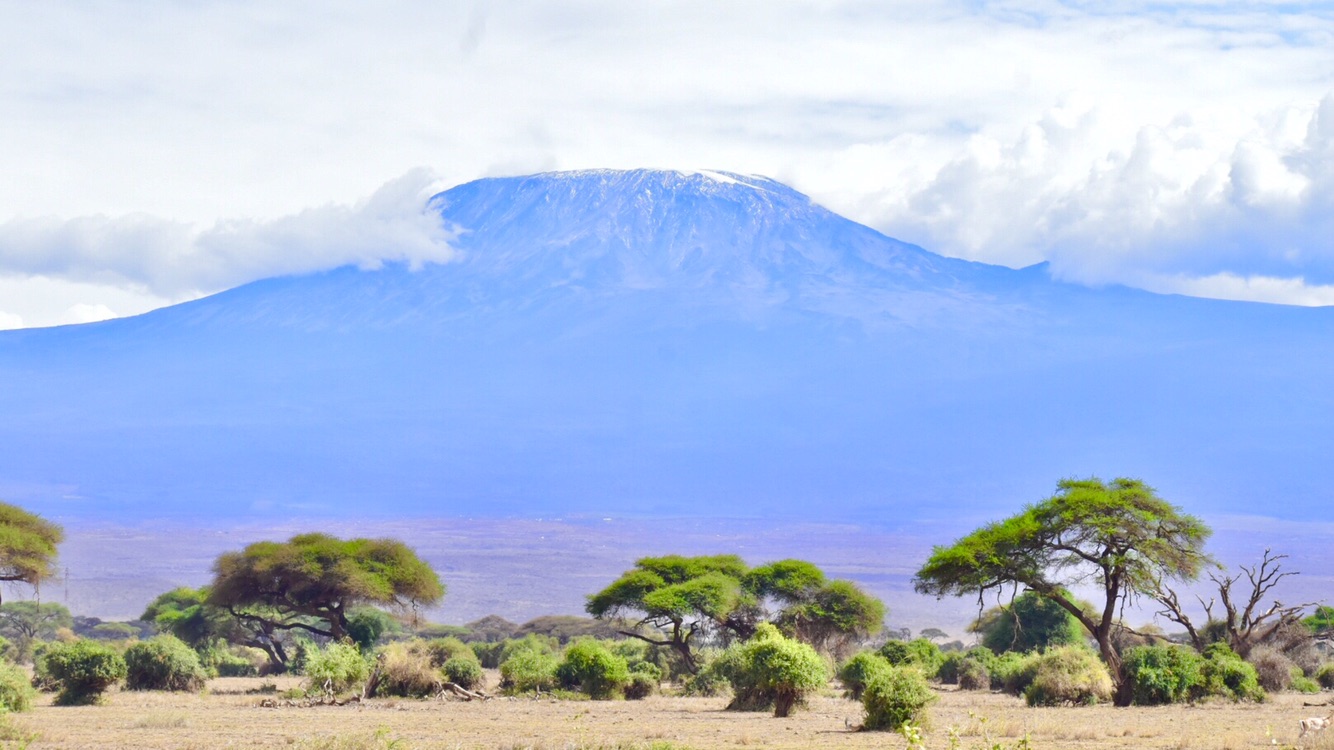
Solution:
(1118, 141)
(172, 260)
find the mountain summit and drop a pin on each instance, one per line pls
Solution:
(664, 343)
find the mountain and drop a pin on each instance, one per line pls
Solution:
(652, 343)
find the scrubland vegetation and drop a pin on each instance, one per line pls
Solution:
(684, 651)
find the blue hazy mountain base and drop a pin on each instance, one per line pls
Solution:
(656, 343)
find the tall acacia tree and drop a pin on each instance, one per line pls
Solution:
(27, 545)
(284, 585)
(1118, 536)
(686, 598)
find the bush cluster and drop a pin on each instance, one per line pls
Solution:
(1164, 674)
(590, 667)
(1071, 675)
(16, 692)
(163, 662)
(528, 664)
(920, 653)
(770, 670)
(896, 696)
(406, 670)
(1227, 675)
(336, 668)
(81, 671)
(859, 670)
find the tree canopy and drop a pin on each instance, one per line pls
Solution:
(1030, 622)
(686, 598)
(27, 545)
(316, 576)
(1118, 536)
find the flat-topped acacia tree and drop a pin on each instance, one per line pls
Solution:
(27, 545)
(1119, 536)
(316, 578)
(684, 598)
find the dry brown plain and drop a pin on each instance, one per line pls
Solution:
(226, 716)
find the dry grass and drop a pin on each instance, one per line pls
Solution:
(229, 716)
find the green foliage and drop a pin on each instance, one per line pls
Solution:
(1325, 676)
(1069, 675)
(859, 670)
(921, 653)
(1119, 537)
(163, 663)
(406, 671)
(1227, 675)
(1029, 623)
(464, 672)
(82, 671)
(1014, 671)
(26, 622)
(592, 668)
(682, 595)
(974, 675)
(771, 670)
(1164, 674)
(896, 697)
(1303, 684)
(335, 668)
(16, 691)
(365, 626)
(444, 649)
(1320, 621)
(641, 686)
(27, 545)
(528, 669)
(321, 577)
(956, 663)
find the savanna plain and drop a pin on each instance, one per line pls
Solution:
(245, 713)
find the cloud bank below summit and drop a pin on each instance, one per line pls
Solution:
(1183, 148)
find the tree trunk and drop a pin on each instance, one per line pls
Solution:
(1124, 693)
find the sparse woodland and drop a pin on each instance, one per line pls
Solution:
(321, 624)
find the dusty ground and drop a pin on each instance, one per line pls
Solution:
(228, 717)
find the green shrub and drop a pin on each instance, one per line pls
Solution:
(366, 625)
(858, 671)
(648, 669)
(1227, 675)
(593, 669)
(974, 675)
(949, 666)
(1325, 676)
(529, 669)
(406, 671)
(16, 693)
(530, 642)
(1163, 674)
(896, 696)
(1069, 675)
(641, 686)
(920, 653)
(444, 649)
(771, 670)
(1303, 684)
(1014, 671)
(464, 672)
(82, 670)
(228, 663)
(335, 668)
(163, 662)
(487, 653)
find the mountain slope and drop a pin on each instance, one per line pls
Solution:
(654, 343)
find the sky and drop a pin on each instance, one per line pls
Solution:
(156, 151)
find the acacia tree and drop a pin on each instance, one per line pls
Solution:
(1119, 536)
(27, 545)
(311, 581)
(686, 598)
(185, 613)
(26, 622)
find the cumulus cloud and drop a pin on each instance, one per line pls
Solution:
(1132, 141)
(173, 260)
